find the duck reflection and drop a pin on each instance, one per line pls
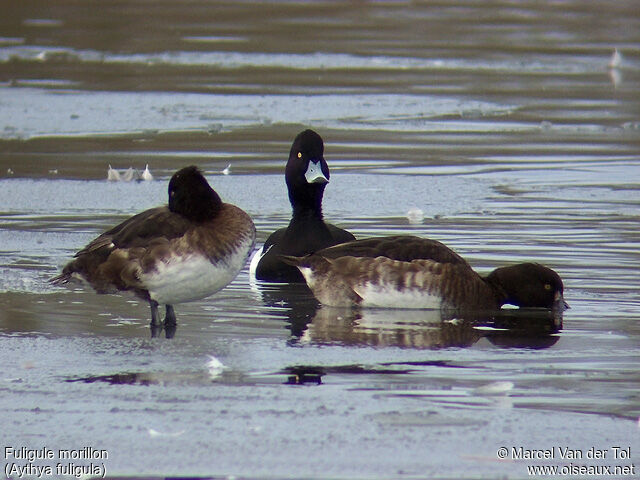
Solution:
(428, 329)
(294, 301)
(311, 322)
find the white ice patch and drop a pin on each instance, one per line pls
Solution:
(156, 433)
(215, 367)
(494, 388)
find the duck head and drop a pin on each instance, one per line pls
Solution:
(528, 285)
(307, 172)
(191, 195)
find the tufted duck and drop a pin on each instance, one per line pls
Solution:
(306, 175)
(182, 252)
(412, 272)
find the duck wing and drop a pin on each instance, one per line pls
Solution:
(140, 230)
(404, 248)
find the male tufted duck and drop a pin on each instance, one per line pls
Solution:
(306, 175)
(412, 272)
(184, 251)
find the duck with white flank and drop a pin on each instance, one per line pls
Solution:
(306, 175)
(412, 272)
(184, 251)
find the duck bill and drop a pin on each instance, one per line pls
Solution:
(314, 173)
(559, 304)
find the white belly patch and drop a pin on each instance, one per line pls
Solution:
(383, 296)
(192, 277)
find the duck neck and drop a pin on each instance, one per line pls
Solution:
(499, 293)
(307, 204)
(302, 213)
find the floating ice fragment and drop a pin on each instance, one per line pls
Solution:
(215, 367)
(494, 388)
(415, 215)
(156, 433)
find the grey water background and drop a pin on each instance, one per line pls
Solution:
(510, 128)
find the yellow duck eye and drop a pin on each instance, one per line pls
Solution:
(299, 154)
(547, 286)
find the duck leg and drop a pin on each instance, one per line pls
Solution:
(170, 322)
(170, 316)
(155, 317)
(156, 324)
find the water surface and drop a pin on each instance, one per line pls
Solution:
(511, 129)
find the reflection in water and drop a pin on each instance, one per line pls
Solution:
(428, 329)
(311, 322)
(386, 328)
(514, 132)
(169, 330)
(293, 300)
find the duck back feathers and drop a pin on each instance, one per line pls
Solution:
(404, 248)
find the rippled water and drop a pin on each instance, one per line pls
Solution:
(511, 128)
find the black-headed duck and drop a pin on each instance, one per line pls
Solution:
(412, 272)
(180, 252)
(306, 175)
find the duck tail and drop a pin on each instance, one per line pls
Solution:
(63, 278)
